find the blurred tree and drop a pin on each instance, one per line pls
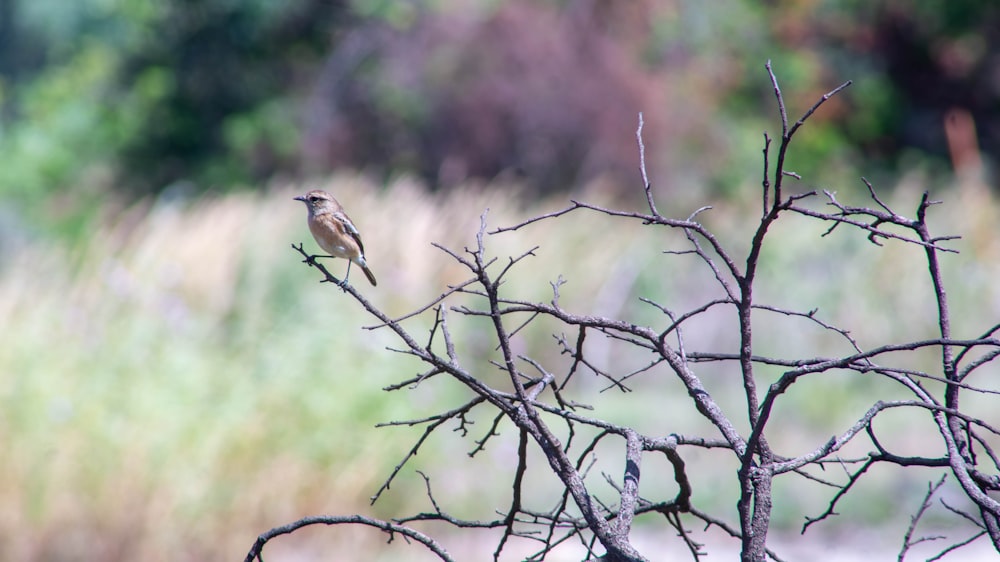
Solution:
(945, 56)
(223, 75)
(546, 89)
(547, 95)
(215, 93)
(913, 65)
(180, 90)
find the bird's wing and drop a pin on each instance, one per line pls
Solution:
(343, 219)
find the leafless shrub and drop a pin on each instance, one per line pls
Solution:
(550, 417)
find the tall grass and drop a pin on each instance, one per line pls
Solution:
(179, 381)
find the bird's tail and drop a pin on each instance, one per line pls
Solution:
(368, 274)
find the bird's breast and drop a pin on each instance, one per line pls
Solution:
(333, 241)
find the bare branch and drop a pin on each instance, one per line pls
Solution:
(908, 537)
(630, 489)
(390, 528)
(823, 99)
(515, 502)
(836, 498)
(647, 187)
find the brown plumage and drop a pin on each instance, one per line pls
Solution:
(334, 231)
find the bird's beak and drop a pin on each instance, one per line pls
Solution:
(300, 198)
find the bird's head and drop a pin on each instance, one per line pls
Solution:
(318, 200)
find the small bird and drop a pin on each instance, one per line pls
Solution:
(334, 231)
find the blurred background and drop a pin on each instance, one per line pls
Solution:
(173, 381)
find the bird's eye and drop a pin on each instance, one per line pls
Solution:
(314, 198)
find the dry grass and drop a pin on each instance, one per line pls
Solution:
(179, 382)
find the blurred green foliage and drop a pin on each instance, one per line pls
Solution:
(129, 97)
(137, 96)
